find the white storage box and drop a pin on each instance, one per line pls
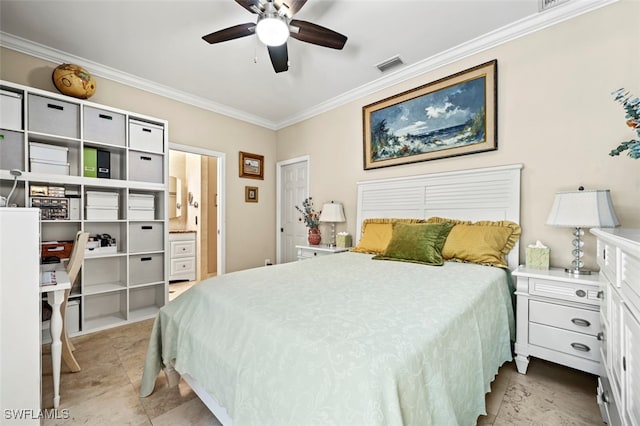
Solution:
(146, 237)
(10, 110)
(11, 150)
(49, 167)
(53, 116)
(102, 199)
(102, 213)
(146, 136)
(72, 320)
(146, 167)
(104, 126)
(141, 207)
(146, 268)
(97, 251)
(46, 152)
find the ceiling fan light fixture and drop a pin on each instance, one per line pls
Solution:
(272, 30)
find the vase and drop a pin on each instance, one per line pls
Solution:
(314, 236)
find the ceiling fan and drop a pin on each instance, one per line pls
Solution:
(274, 26)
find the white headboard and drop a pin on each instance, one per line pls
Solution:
(491, 193)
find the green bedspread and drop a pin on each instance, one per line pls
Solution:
(341, 340)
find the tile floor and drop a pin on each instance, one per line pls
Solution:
(105, 392)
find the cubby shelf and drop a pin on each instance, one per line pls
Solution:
(114, 287)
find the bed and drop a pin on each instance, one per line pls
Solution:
(347, 339)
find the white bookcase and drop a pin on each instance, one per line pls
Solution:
(125, 284)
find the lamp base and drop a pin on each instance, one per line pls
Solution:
(577, 271)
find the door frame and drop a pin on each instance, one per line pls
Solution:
(279, 165)
(221, 221)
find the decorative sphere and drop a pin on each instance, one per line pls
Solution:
(73, 80)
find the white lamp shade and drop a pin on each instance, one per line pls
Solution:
(332, 212)
(272, 31)
(583, 209)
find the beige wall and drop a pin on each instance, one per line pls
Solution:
(247, 224)
(556, 116)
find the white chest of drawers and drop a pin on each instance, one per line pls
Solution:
(557, 318)
(182, 249)
(619, 383)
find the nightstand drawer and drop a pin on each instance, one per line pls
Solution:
(569, 342)
(565, 317)
(573, 292)
(309, 253)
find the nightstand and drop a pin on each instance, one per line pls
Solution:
(557, 318)
(307, 252)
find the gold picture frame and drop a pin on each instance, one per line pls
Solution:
(456, 115)
(251, 194)
(251, 165)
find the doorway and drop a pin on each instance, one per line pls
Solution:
(196, 211)
(292, 189)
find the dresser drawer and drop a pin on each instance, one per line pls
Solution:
(573, 292)
(606, 258)
(565, 317)
(310, 253)
(183, 249)
(182, 266)
(569, 342)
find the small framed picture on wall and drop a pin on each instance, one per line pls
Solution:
(251, 165)
(251, 194)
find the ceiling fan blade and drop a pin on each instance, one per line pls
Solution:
(252, 6)
(294, 6)
(279, 57)
(313, 33)
(230, 33)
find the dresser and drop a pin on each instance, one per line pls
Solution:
(558, 318)
(618, 256)
(182, 249)
(309, 252)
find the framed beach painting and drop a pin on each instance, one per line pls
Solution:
(456, 115)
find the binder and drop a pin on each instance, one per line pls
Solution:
(104, 164)
(90, 162)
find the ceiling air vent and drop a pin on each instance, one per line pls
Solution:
(387, 64)
(548, 4)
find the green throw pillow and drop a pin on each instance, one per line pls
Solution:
(417, 243)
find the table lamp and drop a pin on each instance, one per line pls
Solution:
(582, 209)
(334, 213)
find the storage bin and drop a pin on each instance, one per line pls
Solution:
(102, 199)
(146, 268)
(146, 236)
(146, 167)
(72, 320)
(46, 152)
(142, 201)
(146, 136)
(102, 213)
(53, 116)
(104, 126)
(11, 150)
(10, 110)
(141, 214)
(49, 167)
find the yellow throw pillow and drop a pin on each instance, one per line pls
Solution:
(483, 242)
(376, 234)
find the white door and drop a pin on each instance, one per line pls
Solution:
(293, 188)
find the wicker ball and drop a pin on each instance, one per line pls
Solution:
(73, 80)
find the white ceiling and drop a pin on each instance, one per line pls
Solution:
(157, 45)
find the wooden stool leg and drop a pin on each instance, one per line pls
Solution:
(67, 346)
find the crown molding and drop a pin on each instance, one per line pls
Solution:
(487, 41)
(47, 53)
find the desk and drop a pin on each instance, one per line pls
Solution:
(55, 297)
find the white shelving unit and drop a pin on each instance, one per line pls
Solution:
(127, 285)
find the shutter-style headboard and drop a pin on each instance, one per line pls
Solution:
(491, 193)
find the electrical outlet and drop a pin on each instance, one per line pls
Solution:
(267, 262)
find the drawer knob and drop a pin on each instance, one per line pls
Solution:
(580, 322)
(580, 347)
(581, 293)
(605, 397)
(315, 254)
(600, 294)
(600, 336)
